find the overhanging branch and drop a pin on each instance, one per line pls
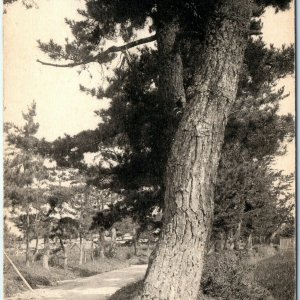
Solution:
(104, 56)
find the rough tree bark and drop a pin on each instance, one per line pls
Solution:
(176, 269)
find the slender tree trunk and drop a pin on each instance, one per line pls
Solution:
(65, 253)
(92, 248)
(84, 256)
(65, 259)
(249, 243)
(270, 238)
(9, 246)
(113, 240)
(228, 240)
(27, 240)
(176, 269)
(135, 240)
(101, 244)
(220, 242)
(237, 237)
(14, 247)
(46, 253)
(36, 224)
(36, 250)
(80, 249)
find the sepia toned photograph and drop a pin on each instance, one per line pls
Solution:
(149, 150)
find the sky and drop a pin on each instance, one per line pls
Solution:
(61, 107)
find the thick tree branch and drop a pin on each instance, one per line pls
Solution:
(103, 56)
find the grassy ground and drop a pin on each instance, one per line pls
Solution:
(37, 276)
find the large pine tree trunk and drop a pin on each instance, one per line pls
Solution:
(172, 92)
(176, 269)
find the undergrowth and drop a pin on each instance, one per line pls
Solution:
(278, 275)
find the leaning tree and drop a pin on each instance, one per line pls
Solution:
(217, 33)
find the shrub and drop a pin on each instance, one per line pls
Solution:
(226, 275)
(265, 250)
(278, 275)
(129, 292)
(36, 279)
(39, 256)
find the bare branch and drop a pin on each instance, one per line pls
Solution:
(104, 56)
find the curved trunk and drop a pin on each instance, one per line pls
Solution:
(176, 269)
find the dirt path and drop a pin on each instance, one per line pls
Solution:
(98, 287)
